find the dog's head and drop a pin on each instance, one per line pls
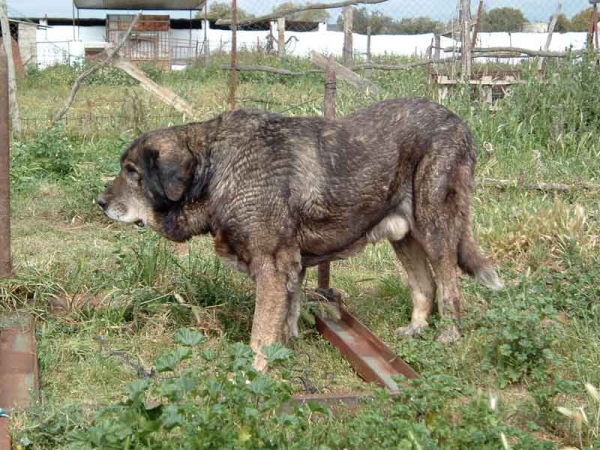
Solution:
(159, 175)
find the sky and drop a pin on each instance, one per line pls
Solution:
(534, 10)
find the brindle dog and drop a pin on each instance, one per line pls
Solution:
(280, 194)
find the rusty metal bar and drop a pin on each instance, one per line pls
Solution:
(329, 102)
(372, 359)
(233, 71)
(5, 253)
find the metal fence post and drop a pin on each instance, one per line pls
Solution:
(328, 113)
(5, 254)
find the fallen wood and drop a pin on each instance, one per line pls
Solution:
(345, 74)
(308, 7)
(524, 51)
(409, 66)
(164, 94)
(108, 55)
(268, 69)
(538, 186)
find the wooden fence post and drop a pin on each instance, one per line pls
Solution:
(347, 13)
(465, 22)
(12, 80)
(281, 36)
(369, 44)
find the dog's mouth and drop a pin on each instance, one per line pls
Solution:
(139, 223)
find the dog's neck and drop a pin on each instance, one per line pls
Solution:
(182, 223)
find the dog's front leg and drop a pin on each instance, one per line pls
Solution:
(276, 276)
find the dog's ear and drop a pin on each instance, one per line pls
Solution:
(176, 172)
(167, 173)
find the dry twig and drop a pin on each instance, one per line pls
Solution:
(109, 55)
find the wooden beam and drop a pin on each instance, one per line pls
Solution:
(524, 51)
(345, 74)
(12, 80)
(164, 94)
(538, 186)
(108, 57)
(281, 36)
(465, 40)
(551, 27)
(268, 69)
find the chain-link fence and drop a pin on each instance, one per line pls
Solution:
(394, 27)
(394, 33)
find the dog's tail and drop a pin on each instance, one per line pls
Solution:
(473, 262)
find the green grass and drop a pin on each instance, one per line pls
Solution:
(533, 345)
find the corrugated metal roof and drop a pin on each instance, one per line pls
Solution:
(140, 4)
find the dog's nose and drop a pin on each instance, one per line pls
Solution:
(101, 201)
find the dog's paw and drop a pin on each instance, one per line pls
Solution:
(410, 331)
(449, 335)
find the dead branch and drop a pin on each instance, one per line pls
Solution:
(518, 50)
(287, 12)
(345, 74)
(108, 55)
(268, 69)
(406, 66)
(164, 94)
(538, 186)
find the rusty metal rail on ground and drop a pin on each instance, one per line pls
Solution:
(19, 383)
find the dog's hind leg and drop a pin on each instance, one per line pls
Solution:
(441, 202)
(276, 278)
(421, 282)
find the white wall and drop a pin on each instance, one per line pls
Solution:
(58, 41)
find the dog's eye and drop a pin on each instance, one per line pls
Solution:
(131, 172)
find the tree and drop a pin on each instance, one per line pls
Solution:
(222, 10)
(562, 24)
(362, 18)
(502, 19)
(582, 20)
(417, 25)
(312, 15)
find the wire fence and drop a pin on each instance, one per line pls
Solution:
(395, 32)
(400, 27)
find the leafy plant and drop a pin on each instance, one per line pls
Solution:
(219, 402)
(49, 153)
(520, 343)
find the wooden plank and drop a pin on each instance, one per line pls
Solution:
(345, 74)
(164, 94)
